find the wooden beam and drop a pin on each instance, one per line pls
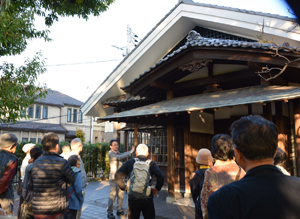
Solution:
(267, 111)
(296, 106)
(170, 161)
(136, 141)
(188, 153)
(160, 85)
(237, 75)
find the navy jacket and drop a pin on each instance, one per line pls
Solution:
(264, 192)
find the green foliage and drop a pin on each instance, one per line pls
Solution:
(17, 84)
(80, 134)
(17, 89)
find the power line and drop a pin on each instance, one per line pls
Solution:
(82, 63)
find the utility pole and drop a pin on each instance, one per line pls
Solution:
(132, 40)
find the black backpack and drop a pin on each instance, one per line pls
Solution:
(198, 201)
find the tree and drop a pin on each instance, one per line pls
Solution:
(80, 134)
(17, 84)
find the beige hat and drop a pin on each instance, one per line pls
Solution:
(27, 147)
(204, 156)
(7, 140)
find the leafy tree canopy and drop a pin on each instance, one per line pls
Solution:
(17, 84)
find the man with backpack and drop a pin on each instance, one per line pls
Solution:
(204, 158)
(140, 195)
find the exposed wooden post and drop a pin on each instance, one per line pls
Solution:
(297, 133)
(170, 94)
(267, 111)
(249, 109)
(187, 154)
(171, 162)
(126, 141)
(136, 140)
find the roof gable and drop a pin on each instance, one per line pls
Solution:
(184, 17)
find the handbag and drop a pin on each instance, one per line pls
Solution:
(26, 210)
(26, 207)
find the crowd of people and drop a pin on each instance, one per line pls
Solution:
(241, 176)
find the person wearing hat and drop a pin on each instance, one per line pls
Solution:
(204, 158)
(26, 148)
(8, 169)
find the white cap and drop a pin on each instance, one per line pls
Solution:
(27, 147)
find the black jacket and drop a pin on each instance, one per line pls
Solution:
(50, 175)
(127, 167)
(264, 192)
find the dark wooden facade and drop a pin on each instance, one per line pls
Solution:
(170, 79)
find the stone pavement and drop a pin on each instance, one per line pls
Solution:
(96, 198)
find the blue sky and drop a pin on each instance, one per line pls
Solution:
(90, 42)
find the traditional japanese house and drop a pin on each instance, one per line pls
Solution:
(194, 74)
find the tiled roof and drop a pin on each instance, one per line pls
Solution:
(194, 39)
(200, 4)
(241, 96)
(57, 98)
(34, 126)
(122, 99)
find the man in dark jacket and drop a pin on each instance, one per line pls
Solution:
(264, 192)
(8, 169)
(136, 206)
(50, 175)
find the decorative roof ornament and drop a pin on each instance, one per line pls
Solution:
(193, 36)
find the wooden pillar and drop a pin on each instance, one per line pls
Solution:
(136, 140)
(187, 154)
(171, 162)
(249, 109)
(282, 137)
(118, 132)
(126, 141)
(267, 111)
(297, 133)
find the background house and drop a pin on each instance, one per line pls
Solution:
(58, 113)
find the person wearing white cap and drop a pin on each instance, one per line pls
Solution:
(205, 159)
(26, 148)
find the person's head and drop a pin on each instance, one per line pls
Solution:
(74, 161)
(280, 157)
(50, 142)
(141, 149)
(27, 147)
(35, 153)
(204, 157)
(8, 142)
(221, 147)
(114, 145)
(254, 137)
(76, 145)
(66, 149)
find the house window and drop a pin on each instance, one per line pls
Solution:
(40, 140)
(38, 111)
(25, 139)
(32, 140)
(74, 115)
(23, 112)
(45, 112)
(80, 117)
(30, 111)
(69, 115)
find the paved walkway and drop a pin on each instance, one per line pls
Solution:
(96, 199)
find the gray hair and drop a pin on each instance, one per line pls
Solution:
(75, 143)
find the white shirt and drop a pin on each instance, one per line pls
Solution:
(24, 165)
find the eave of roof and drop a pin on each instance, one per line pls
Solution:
(241, 96)
(34, 126)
